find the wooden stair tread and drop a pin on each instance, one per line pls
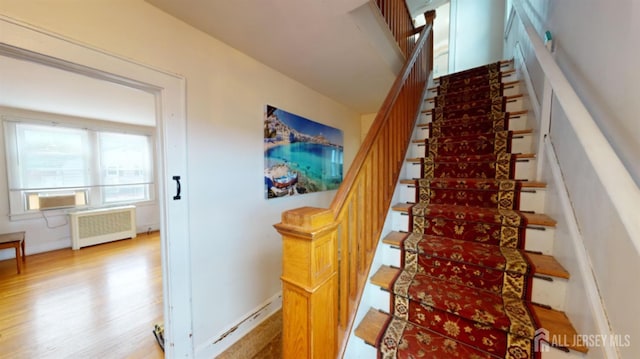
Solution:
(543, 264)
(402, 207)
(536, 219)
(540, 219)
(371, 326)
(556, 322)
(394, 238)
(547, 265)
(559, 326)
(525, 184)
(384, 276)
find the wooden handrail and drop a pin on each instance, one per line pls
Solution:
(327, 253)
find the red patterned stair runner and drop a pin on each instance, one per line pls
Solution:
(496, 166)
(465, 283)
(476, 192)
(470, 263)
(473, 125)
(499, 325)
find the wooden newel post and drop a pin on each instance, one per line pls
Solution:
(429, 16)
(309, 283)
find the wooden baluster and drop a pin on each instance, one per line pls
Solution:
(343, 291)
(353, 250)
(309, 283)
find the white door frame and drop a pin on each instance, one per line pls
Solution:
(24, 41)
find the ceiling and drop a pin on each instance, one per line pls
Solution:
(328, 45)
(419, 7)
(336, 47)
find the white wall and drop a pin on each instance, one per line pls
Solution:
(476, 30)
(613, 259)
(596, 48)
(365, 124)
(235, 252)
(604, 264)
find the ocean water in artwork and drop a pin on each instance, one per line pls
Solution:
(300, 156)
(319, 166)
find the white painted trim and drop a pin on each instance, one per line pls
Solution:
(544, 124)
(616, 180)
(510, 19)
(524, 71)
(216, 345)
(591, 290)
(30, 43)
(453, 25)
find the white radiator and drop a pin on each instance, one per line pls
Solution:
(102, 225)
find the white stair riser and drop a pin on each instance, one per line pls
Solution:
(533, 199)
(526, 169)
(540, 240)
(522, 143)
(551, 293)
(411, 170)
(536, 240)
(381, 300)
(512, 90)
(516, 104)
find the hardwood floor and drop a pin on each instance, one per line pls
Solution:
(98, 302)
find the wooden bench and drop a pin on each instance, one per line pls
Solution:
(14, 240)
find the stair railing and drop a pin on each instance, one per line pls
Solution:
(327, 253)
(397, 16)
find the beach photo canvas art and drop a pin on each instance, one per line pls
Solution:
(300, 156)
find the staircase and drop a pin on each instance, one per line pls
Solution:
(470, 271)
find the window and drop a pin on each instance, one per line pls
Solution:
(125, 167)
(58, 166)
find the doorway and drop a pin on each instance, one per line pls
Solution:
(441, 37)
(20, 41)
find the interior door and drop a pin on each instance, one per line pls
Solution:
(22, 41)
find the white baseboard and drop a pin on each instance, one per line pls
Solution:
(216, 345)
